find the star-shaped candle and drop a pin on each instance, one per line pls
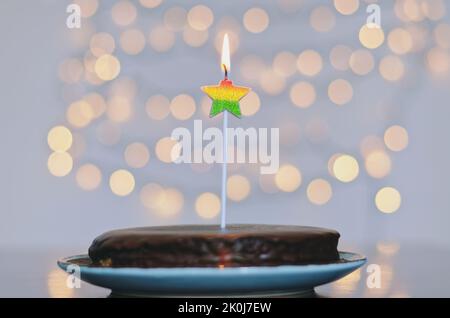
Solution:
(225, 98)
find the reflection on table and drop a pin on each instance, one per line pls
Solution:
(405, 271)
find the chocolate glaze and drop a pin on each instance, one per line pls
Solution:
(209, 246)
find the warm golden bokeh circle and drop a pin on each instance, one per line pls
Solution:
(345, 168)
(378, 164)
(88, 177)
(207, 205)
(288, 178)
(59, 138)
(256, 20)
(238, 187)
(107, 67)
(158, 107)
(340, 91)
(137, 155)
(302, 94)
(121, 182)
(60, 164)
(396, 138)
(200, 17)
(346, 7)
(319, 191)
(309, 63)
(371, 36)
(182, 107)
(388, 200)
(167, 150)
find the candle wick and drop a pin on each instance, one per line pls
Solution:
(226, 71)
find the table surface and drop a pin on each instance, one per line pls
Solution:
(406, 271)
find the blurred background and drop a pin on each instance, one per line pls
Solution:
(87, 114)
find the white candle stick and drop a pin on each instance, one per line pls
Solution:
(223, 218)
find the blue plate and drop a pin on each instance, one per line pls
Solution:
(233, 281)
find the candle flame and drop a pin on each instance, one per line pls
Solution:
(226, 54)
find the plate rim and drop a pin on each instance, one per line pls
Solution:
(351, 259)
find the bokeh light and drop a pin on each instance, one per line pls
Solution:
(396, 138)
(371, 36)
(346, 7)
(288, 178)
(165, 202)
(97, 104)
(200, 17)
(433, 9)
(150, 3)
(121, 182)
(438, 61)
(119, 109)
(123, 13)
(60, 164)
(79, 114)
(167, 150)
(271, 82)
(284, 63)
(340, 91)
(256, 20)
(195, 38)
(388, 200)
(391, 68)
(132, 41)
(158, 107)
(182, 107)
(207, 205)
(102, 43)
(88, 177)
(309, 63)
(302, 94)
(319, 191)
(442, 35)
(345, 168)
(361, 62)
(371, 143)
(238, 187)
(161, 39)
(59, 138)
(175, 19)
(107, 67)
(400, 41)
(388, 248)
(87, 7)
(340, 57)
(150, 195)
(137, 155)
(322, 19)
(378, 164)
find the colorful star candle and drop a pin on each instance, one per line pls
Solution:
(225, 98)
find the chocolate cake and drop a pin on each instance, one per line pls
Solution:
(209, 246)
